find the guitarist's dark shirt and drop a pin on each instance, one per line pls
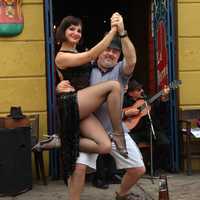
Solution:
(140, 133)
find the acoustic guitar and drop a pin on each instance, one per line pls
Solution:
(144, 108)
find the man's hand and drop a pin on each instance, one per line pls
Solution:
(131, 111)
(117, 20)
(165, 95)
(64, 86)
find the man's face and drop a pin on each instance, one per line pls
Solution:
(108, 58)
(136, 93)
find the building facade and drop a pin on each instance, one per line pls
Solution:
(24, 60)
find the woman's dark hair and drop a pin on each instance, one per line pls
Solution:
(65, 23)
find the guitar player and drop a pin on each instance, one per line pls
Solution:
(140, 132)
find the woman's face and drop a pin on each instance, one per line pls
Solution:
(73, 34)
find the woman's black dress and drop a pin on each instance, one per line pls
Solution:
(69, 116)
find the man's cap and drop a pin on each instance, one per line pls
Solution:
(116, 43)
(133, 85)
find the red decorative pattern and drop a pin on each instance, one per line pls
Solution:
(10, 12)
(162, 56)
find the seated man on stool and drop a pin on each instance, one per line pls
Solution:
(140, 132)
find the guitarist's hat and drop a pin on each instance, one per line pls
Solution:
(133, 85)
(16, 113)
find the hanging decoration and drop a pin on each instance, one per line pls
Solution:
(160, 42)
(11, 18)
(152, 80)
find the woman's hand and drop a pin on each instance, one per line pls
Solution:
(113, 24)
(64, 86)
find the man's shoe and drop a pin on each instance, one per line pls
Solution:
(100, 184)
(116, 179)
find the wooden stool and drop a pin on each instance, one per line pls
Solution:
(38, 155)
(189, 145)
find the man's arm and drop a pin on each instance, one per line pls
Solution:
(128, 48)
(129, 55)
(130, 112)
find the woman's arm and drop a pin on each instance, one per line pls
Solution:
(64, 60)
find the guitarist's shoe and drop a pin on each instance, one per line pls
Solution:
(52, 142)
(120, 143)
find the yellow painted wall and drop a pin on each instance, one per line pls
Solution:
(23, 75)
(189, 56)
(189, 52)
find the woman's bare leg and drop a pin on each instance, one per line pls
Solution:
(95, 139)
(91, 98)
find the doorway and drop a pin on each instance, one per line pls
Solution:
(137, 20)
(96, 22)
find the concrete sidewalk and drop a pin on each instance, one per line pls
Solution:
(181, 187)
